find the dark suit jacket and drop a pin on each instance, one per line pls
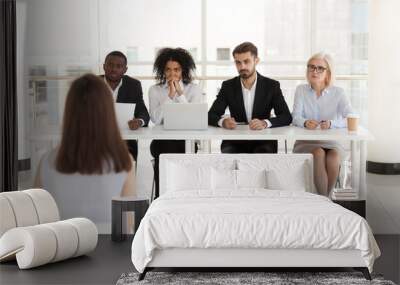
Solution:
(131, 92)
(268, 96)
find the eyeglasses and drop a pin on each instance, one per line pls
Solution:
(317, 68)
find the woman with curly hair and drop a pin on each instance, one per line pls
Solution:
(174, 68)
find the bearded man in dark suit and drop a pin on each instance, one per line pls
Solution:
(250, 98)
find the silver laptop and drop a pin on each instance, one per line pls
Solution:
(186, 116)
(124, 113)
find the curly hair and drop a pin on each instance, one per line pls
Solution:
(179, 55)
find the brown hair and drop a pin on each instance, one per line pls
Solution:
(91, 139)
(246, 47)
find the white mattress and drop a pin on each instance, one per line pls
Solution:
(253, 218)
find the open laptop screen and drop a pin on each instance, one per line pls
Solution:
(185, 116)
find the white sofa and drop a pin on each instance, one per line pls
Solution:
(31, 230)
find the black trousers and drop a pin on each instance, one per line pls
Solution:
(259, 146)
(158, 147)
(133, 148)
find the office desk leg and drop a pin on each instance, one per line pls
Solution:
(355, 167)
(189, 146)
(206, 145)
(193, 146)
(116, 221)
(363, 170)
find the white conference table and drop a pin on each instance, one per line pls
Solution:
(358, 140)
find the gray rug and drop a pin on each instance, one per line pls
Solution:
(243, 278)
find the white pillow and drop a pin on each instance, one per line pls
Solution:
(293, 180)
(283, 172)
(223, 179)
(251, 178)
(183, 177)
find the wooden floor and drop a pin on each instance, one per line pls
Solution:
(111, 259)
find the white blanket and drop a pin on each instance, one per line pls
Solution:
(250, 219)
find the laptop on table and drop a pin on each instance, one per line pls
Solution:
(185, 116)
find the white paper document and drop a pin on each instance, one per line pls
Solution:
(124, 112)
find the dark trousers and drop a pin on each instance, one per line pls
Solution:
(133, 148)
(158, 147)
(239, 146)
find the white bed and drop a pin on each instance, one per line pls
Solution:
(220, 211)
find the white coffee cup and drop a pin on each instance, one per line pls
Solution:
(352, 122)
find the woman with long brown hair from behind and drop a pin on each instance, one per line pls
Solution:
(92, 163)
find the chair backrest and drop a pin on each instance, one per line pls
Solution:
(194, 169)
(26, 208)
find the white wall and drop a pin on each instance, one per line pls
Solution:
(384, 81)
(384, 122)
(61, 33)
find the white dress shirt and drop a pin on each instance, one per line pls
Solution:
(115, 91)
(332, 105)
(158, 96)
(248, 98)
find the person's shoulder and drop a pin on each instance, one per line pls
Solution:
(193, 85)
(231, 81)
(51, 153)
(155, 88)
(336, 91)
(49, 157)
(303, 87)
(301, 90)
(130, 80)
(267, 80)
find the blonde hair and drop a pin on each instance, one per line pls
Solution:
(330, 78)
